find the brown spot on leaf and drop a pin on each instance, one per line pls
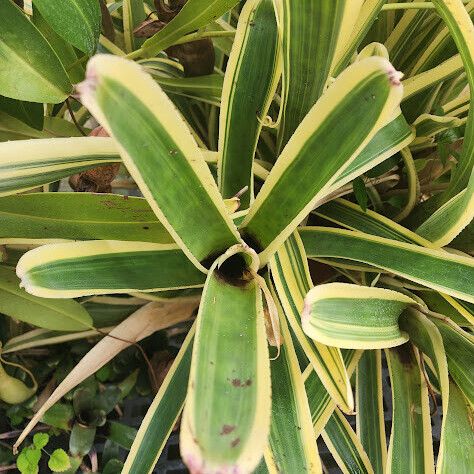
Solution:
(234, 442)
(226, 429)
(240, 383)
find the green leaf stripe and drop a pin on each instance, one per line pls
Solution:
(106, 266)
(276, 212)
(234, 433)
(252, 75)
(411, 446)
(436, 269)
(290, 273)
(28, 164)
(46, 217)
(370, 413)
(155, 141)
(353, 316)
(344, 445)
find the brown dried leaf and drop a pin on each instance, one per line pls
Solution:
(148, 28)
(107, 24)
(167, 11)
(95, 180)
(161, 363)
(197, 57)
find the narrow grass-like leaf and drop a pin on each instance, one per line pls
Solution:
(369, 87)
(405, 34)
(204, 88)
(411, 446)
(370, 414)
(425, 80)
(390, 139)
(69, 270)
(459, 347)
(27, 164)
(464, 308)
(162, 413)
(46, 337)
(367, 15)
(422, 45)
(345, 446)
(77, 21)
(351, 216)
(457, 210)
(144, 322)
(11, 128)
(292, 439)
(457, 455)
(133, 14)
(228, 433)
(251, 77)
(314, 26)
(30, 69)
(425, 335)
(348, 24)
(353, 316)
(194, 15)
(456, 105)
(459, 24)
(290, 273)
(321, 403)
(443, 42)
(60, 315)
(428, 125)
(436, 269)
(448, 306)
(447, 222)
(154, 141)
(43, 217)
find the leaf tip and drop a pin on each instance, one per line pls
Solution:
(394, 76)
(89, 84)
(306, 313)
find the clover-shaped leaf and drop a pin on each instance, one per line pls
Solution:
(27, 462)
(40, 440)
(59, 461)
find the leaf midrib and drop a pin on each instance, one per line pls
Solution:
(35, 71)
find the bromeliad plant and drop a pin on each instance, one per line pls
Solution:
(309, 107)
